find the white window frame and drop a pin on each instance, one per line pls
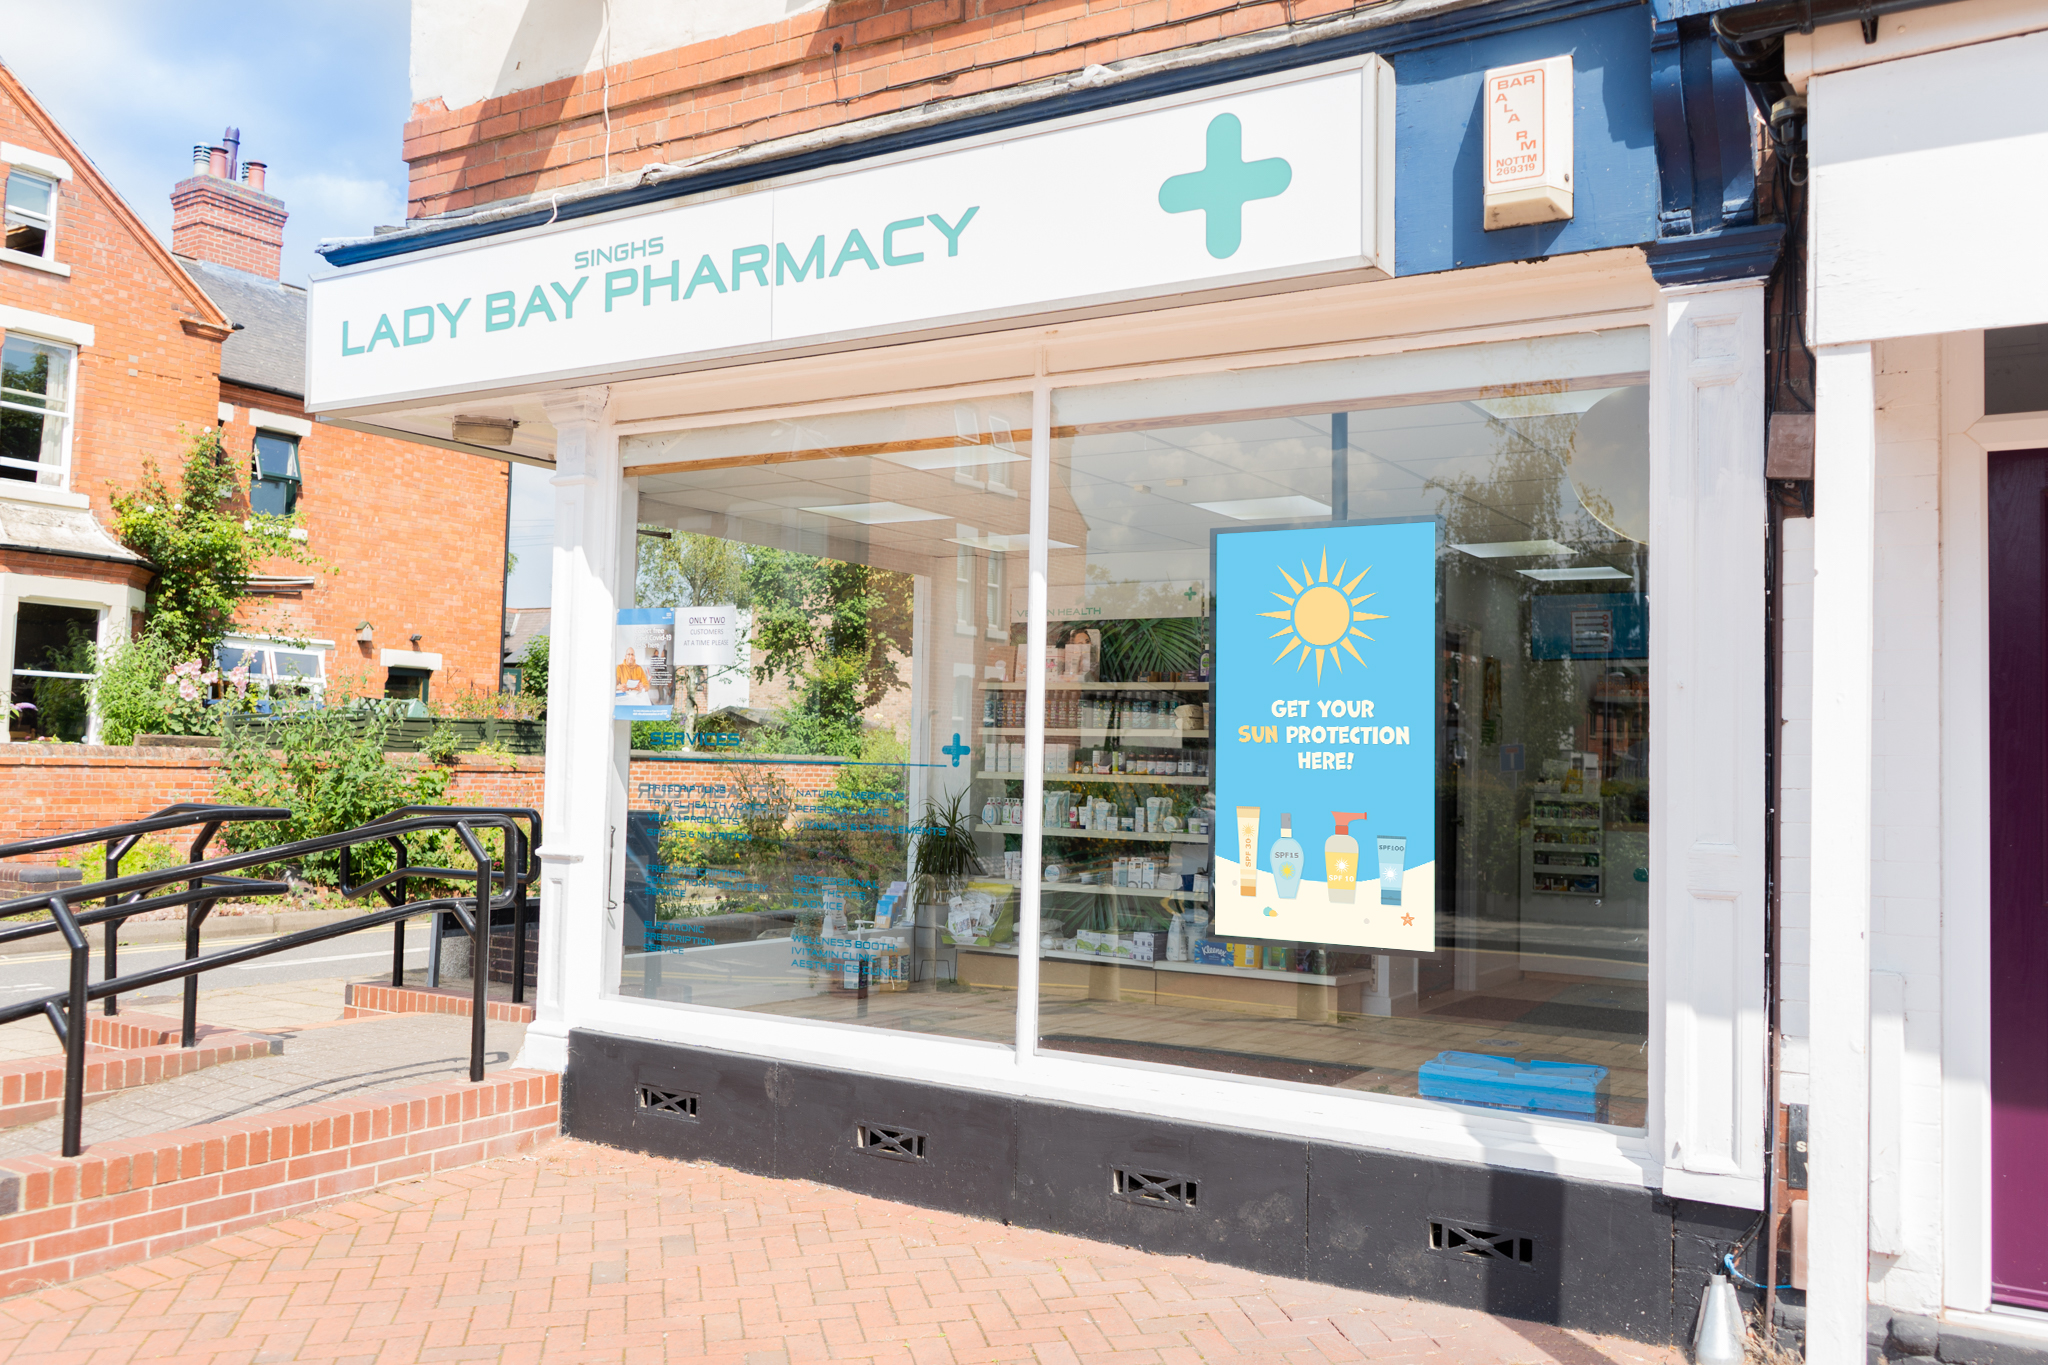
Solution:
(69, 414)
(41, 166)
(1564, 295)
(320, 649)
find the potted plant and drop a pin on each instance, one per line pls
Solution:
(943, 857)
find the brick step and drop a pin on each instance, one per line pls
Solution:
(369, 1000)
(131, 1199)
(123, 1052)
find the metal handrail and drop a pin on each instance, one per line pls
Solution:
(206, 880)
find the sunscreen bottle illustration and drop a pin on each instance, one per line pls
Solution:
(1393, 853)
(1248, 850)
(1340, 859)
(1286, 859)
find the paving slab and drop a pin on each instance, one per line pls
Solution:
(581, 1253)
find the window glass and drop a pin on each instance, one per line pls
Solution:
(1518, 474)
(35, 407)
(2016, 369)
(295, 664)
(408, 684)
(31, 201)
(808, 834)
(228, 658)
(54, 661)
(274, 489)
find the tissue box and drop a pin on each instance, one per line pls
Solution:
(1148, 945)
(1211, 952)
(1480, 1078)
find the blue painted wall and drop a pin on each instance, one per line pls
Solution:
(1440, 141)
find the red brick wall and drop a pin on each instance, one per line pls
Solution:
(143, 377)
(833, 64)
(57, 789)
(410, 538)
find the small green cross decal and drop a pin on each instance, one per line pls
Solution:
(956, 749)
(1225, 185)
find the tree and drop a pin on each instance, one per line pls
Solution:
(203, 541)
(685, 569)
(835, 625)
(533, 669)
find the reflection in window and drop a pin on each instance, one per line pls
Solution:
(55, 658)
(274, 475)
(31, 213)
(35, 410)
(819, 852)
(1538, 488)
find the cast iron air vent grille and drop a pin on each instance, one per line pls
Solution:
(679, 1104)
(896, 1144)
(1158, 1190)
(1481, 1244)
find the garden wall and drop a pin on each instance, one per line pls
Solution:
(50, 789)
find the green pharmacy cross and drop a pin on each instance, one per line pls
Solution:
(1225, 185)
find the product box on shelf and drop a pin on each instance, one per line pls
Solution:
(1482, 1078)
(1101, 943)
(1211, 952)
(1148, 945)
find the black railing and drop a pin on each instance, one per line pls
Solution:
(209, 880)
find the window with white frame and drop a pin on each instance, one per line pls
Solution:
(275, 668)
(963, 581)
(55, 657)
(35, 410)
(31, 213)
(274, 474)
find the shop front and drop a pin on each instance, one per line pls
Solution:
(1104, 672)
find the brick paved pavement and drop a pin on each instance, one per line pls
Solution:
(578, 1253)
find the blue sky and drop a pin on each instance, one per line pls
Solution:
(319, 91)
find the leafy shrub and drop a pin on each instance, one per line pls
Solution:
(533, 670)
(328, 767)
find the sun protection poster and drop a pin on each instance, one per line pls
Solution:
(643, 664)
(1325, 735)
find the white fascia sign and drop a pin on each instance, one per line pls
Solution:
(1529, 143)
(1276, 179)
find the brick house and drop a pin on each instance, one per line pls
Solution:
(115, 348)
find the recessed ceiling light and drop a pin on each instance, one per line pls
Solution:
(876, 513)
(1140, 488)
(1267, 509)
(1513, 549)
(952, 457)
(1581, 575)
(998, 543)
(1540, 404)
(1176, 483)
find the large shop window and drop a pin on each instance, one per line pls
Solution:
(1347, 734)
(805, 832)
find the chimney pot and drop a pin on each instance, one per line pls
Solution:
(254, 172)
(232, 140)
(217, 165)
(202, 160)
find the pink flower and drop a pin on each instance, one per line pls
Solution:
(187, 690)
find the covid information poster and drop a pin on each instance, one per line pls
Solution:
(643, 664)
(1325, 735)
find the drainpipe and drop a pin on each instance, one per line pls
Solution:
(1753, 36)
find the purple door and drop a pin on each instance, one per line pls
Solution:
(2019, 876)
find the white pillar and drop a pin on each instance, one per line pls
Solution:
(1708, 811)
(576, 920)
(1838, 1121)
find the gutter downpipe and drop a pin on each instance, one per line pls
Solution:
(1753, 36)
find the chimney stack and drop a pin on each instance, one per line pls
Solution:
(214, 218)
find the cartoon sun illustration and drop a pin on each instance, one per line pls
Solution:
(1322, 616)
